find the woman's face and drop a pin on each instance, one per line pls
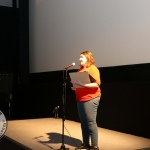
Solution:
(82, 60)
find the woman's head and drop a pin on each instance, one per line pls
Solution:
(86, 59)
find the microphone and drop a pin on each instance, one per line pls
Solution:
(57, 107)
(73, 64)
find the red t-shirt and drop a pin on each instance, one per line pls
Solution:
(85, 94)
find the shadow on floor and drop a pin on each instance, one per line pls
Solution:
(56, 138)
(148, 148)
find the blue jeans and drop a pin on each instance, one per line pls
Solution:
(87, 113)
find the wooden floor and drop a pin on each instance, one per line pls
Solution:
(46, 134)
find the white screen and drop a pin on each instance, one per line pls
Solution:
(117, 32)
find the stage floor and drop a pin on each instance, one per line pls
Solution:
(46, 134)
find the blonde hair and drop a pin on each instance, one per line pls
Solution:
(89, 57)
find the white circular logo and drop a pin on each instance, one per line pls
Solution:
(3, 124)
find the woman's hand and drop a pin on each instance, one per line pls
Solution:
(73, 88)
(88, 85)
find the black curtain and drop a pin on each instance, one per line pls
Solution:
(23, 55)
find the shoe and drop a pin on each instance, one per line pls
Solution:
(86, 147)
(93, 148)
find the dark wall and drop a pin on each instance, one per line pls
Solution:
(124, 107)
(6, 83)
(14, 50)
(35, 101)
(8, 55)
(8, 39)
(14, 41)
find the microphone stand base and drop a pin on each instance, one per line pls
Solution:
(63, 148)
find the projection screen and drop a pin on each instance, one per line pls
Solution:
(117, 32)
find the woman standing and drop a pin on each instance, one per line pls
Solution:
(88, 97)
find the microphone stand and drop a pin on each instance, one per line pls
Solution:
(55, 112)
(64, 104)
